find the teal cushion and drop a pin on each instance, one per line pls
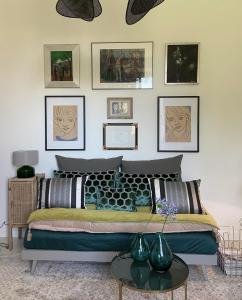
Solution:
(140, 182)
(116, 199)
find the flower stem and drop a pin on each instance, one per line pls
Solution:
(164, 223)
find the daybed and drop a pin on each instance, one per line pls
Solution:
(90, 235)
(74, 234)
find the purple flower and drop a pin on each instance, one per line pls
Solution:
(165, 209)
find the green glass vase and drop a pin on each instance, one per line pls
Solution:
(139, 248)
(160, 256)
(140, 271)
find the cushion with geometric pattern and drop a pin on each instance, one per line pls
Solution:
(140, 182)
(95, 179)
(116, 199)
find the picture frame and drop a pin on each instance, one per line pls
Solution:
(178, 124)
(182, 63)
(122, 65)
(62, 65)
(120, 108)
(120, 136)
(64, 123)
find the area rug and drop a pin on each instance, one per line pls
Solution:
(93, 281)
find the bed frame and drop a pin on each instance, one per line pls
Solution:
(34, 256)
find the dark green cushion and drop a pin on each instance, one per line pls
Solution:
(95, 179)
(140, 182)
(116, 199)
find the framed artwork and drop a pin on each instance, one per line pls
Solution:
(64, 123)
(182, 63)
(122, 65)
(178, 124)
(119, 108)
(120, 136)
(62, 66)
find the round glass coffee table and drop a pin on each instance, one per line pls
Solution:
(142, 277)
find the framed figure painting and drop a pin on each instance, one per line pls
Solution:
(122, 65)
(119, 108)
(182, 63)
(64, 123)
(178, 124)
(61, 66)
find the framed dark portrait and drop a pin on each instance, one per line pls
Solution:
(122, 65)
(182, 63)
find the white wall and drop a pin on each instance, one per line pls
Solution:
(28, 24)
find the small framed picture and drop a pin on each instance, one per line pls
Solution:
(122, 65)
(64, 123)
(182, 63)
(120, 136)
(62, 66)
(178, 124)
(120, 108)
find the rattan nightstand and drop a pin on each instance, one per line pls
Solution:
(22, 200)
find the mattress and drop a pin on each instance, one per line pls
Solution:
(184, 242)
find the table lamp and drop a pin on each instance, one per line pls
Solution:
(24, 159)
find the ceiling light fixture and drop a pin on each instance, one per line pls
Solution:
(90, 9)
(137, 9)
(83, 9)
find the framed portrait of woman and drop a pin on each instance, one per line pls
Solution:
(64, 123)
(178, 124)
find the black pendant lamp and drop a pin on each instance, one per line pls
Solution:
(84, 9)
(137, 9)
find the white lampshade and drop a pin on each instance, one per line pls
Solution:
(25, 157)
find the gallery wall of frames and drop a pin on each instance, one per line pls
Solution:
(121, 66)
(172, 82)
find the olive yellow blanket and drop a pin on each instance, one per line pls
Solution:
(110, 216)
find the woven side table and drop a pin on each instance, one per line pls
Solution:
(22, 200)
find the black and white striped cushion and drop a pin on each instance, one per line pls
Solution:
(185, 195)
(62, 192)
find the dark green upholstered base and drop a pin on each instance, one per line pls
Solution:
(189, 242)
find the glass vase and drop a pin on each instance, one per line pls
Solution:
(160, 256)
(140, 271)
(139, 248)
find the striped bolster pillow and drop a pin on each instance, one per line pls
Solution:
(62, 192)
(185, 195)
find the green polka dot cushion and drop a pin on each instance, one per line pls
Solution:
(95, 179)
(140, 182)
(116, 199)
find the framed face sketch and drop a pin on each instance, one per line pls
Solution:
(64, 123)
(178, 124)
(61, 66)
(120, 136)
(119, 108)
(122, 65)
(182, 63)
